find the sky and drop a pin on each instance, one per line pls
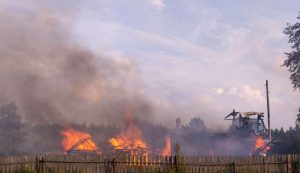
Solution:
(206, 57)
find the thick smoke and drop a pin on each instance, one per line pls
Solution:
(58, 84)
(196, 139)
(54, 80)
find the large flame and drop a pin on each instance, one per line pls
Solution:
(131, 138)
(81, 140)
(167, 150)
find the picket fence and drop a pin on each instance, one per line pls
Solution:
(149, 164)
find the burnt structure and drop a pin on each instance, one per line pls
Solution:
(248, 122)
(131, 151)
(84, 146)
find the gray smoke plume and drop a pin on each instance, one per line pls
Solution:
(54, 80)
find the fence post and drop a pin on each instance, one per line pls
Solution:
(106, 165)
(37, 164)
(294, 163)
(113, 165)
(231, 168)
(287, 164)
(264, 166)
(41, 165)
(175, 164)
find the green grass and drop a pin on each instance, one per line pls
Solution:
(24, 169)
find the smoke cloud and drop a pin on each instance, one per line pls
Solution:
(53, 79)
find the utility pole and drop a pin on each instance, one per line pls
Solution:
(268, 109)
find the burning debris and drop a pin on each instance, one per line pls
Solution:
(86, 145)
(130, 141)
(78, 142)
(131, 138)
(262, 146)
(131, 151)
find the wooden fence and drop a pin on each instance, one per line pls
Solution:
(149, 164)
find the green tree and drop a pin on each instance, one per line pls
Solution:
(293, 57)
(298, 120)
(11, 131)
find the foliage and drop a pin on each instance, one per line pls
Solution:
(196, 124)
(24, 169)
(298, 119)
(293, 58)
(11, 131)
(286, 142)
(177, 149)
(177, 168)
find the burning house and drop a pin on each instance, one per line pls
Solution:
(246, 136)
(85, 146)
(76, 142)
(251, 124)
(129, 142)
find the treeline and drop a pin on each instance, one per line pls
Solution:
(12, 131)
(18, 138)
(286, 142)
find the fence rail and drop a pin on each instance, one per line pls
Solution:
(149, 164)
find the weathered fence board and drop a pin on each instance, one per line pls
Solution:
(149, 164)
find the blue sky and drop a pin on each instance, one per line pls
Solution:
(206, 57)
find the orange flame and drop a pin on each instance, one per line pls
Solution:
(129, 139)
(72, 138)
(167, 150)
(260, 143)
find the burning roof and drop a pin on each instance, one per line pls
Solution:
(130, 141)
(86, 145)
(78, 142)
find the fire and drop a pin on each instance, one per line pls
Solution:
(261, 145)
(80, 140)
(260, 142)
(167, 150)
(130, 139)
